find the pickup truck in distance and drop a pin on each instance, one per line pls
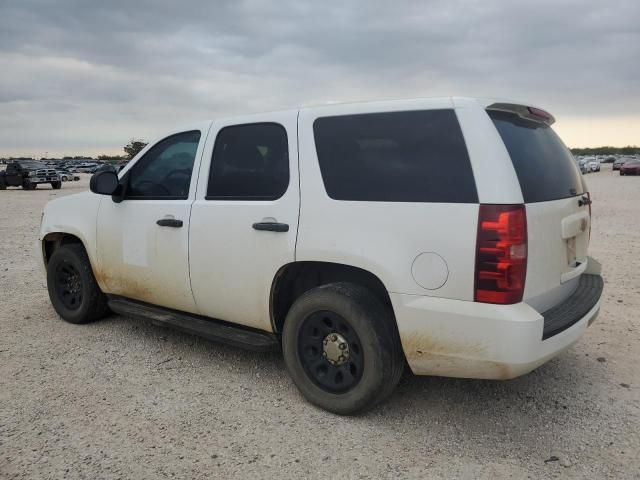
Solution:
(28, 174)
(358, 238)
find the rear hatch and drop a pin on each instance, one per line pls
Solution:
(556, 200)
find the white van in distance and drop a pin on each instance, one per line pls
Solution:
(448, 234)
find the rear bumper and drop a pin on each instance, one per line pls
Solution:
(575, 307)
(455, 338)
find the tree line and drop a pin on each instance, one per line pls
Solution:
(131, 149)
(628, 150)
(134, 146)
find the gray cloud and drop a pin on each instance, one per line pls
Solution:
(84, 75)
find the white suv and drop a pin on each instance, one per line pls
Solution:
(593, 164)
(450, 234)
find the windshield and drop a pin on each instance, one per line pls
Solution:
(32, 165)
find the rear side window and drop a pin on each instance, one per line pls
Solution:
(250, 162)
(416, 156)
(545, 167)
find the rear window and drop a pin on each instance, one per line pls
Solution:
(416, 156)
(545, 167)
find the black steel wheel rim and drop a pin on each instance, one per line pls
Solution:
(68, 285)
(335, 378)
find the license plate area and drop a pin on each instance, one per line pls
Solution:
(575, 233)
(572, 256)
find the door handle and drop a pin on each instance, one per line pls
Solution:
(169, 222)
(271, 226)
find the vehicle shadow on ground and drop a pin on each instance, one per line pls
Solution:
(480, 405)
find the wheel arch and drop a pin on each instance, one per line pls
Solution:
(295, 278)
(54, 240)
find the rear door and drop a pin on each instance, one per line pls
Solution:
(388, 187)
(244, 220)
(557, 206)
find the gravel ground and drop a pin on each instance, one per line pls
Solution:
(127, 399)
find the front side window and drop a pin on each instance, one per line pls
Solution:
(164, 172)
(413, 156)
(249, 162)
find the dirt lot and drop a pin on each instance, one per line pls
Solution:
(126, 399)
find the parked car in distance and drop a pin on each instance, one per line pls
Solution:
(28, 174)
(593, 164)
(67, 176)
(583, 166)
(274, 230)
(631, 167)
(86, 167)
(106, 167)
(618, 163)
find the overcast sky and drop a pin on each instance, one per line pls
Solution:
(83, 77)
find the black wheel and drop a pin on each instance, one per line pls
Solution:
(56, 185)
(27, 185)
(73, 289)
(341, 348)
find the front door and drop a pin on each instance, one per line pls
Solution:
(245, 216)
(13, 175)
(143, 241)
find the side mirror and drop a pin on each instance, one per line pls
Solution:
(104, 183)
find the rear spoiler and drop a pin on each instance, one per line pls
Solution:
(530, 113)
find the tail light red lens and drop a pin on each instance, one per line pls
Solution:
(501, 254)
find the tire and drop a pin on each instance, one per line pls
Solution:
(85, 303)
(27, 185)
(56, 185)
(64, 178)
(342, 313)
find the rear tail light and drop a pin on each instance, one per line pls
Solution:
(501, 254)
